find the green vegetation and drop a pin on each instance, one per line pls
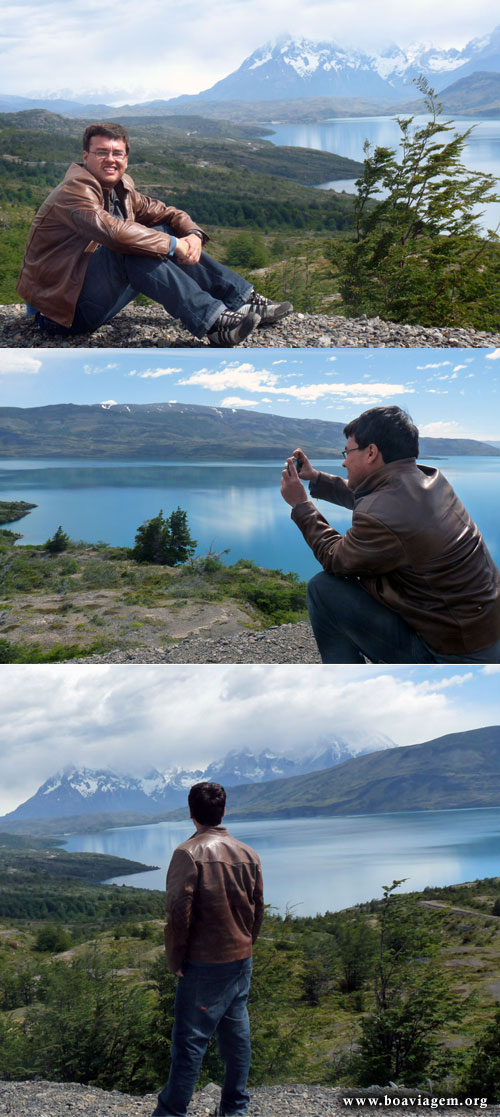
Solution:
(91, 598)
(12, 510)
(212, 169)
(396, 987)
(418, 256)
(164, 540)
(58, 542)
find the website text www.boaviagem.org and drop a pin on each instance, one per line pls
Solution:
(386, 1101)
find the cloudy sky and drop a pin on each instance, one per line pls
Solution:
(450, 393)
(130, 52)
(129, 718)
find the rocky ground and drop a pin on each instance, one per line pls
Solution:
(50, 1099)
(286, 643)
(150, 327)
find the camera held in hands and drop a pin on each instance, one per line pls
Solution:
(297, 463)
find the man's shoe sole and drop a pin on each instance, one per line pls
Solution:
(248, 324)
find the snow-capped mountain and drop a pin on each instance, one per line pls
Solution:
(91, 791)
(289, 68)
(77, 791)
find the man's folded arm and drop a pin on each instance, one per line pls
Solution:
(96, 224)
(150, 212)
(182, 879)
(368, 547)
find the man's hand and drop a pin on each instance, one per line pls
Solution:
(292, 489)
(179, 973)
(306, 470)
(188, 249)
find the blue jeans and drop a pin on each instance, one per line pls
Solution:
(210, 999)
(195, 293)
(349, 624)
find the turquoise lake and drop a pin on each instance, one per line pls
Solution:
(346, 136)
(325, 864)
(235, 505)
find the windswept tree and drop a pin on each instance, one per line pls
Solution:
(418, 255)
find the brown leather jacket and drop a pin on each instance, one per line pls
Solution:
(415, 548)
(72, 222)
(215, 902)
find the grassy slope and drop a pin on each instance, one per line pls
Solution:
(298, 969)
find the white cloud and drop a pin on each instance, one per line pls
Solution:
(245, 376)
(494, 356)
(134, 717)
(458, 368)
(13, 361)
(94, 370)
(154, 373)
(442, 429)
(438, 364)
(235, 401)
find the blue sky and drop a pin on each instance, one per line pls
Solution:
(126, 52)
(448, 392)
(130, 718)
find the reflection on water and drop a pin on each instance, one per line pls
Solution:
(234, 505)
(325, 864)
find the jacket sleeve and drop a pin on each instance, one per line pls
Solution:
(150, 211)
(79, 206)
(334, 489)
(182, 879)
(369, 547)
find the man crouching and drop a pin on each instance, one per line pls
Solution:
(96, 243)
(215, 909)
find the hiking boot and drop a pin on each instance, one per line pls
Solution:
(233, 326)
(269, 312)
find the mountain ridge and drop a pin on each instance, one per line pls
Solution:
(455, 771)
(97, 791)
(184, 432)
(297, 66)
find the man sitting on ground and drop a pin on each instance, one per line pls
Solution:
(412, 580)
(96, 243)
(215, 909)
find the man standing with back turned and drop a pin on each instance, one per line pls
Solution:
(215, 909)
(412, 580)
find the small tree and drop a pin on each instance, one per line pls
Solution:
(247, 250)
(164, 540)
(418, 255)
(412, 998)
(59, 542)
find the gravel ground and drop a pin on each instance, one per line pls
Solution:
(149, 327)
(51, 1099)
(287, 643)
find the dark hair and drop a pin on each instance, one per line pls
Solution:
(389, 428)
(207, 802)
(111, 131)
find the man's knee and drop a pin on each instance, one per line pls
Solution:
(323, 587)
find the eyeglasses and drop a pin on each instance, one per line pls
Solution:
(351, 451)
(102, 153)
